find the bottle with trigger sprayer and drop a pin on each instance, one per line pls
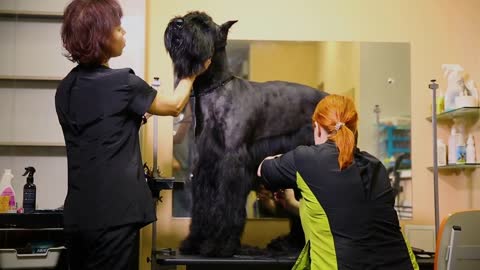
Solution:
(29, 191)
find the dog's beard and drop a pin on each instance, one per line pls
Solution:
(188, 51)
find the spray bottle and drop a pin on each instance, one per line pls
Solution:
(156, 83)
(29, 191)
(452, 146)
(471, 93)
(461, 149)
(455, 84)
(7, 194)
(470, 150)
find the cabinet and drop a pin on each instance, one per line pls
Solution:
(31, 67)
(32, 241)
(398, 140)
(395, 141)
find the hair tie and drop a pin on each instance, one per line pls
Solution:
(338, 125)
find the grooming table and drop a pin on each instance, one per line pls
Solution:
(237, 262)
(168, 257)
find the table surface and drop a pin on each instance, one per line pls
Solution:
(236, 259)
(36, 220)
(179, 259)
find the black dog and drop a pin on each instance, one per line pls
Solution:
(238, 123)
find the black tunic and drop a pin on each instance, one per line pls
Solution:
(100, 111)
(347, 215)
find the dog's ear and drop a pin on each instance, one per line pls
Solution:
(226, 26)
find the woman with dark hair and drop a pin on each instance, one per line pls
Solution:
(347, 202)
(100, 110)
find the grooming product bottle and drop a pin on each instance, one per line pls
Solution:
(461, 149)
(441, 153)
(452, 146)
(7, 194)
(440, 102)
(454, 86)
(156, 83)
(29, 191)
(471, 149)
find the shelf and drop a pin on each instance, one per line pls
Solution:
(393, 127)
(469, 112)
(38, 220)
(32, 144)
(467, 166)
(32, 151)
(397, 139)
(31, 14)
(30, 78)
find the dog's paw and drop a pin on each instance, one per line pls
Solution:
(189, 247)
(212, 248)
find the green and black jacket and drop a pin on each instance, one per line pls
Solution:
(347, 215)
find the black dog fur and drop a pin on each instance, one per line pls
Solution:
(238, 123)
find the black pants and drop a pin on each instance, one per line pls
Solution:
(111, 248)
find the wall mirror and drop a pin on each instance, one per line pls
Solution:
(375, 75)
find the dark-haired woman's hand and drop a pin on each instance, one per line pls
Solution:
(173, 104)
(206, 64)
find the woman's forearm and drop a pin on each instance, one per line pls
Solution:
(173, 104)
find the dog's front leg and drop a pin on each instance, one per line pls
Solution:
(227, 210)
(229, 128)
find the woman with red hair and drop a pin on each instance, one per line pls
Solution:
(347, 202)
(100, 110)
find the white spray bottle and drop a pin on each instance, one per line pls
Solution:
(455, 84)
(473, 91)
(452, 146)
(6, 190)
(461, 154)
(471, 149)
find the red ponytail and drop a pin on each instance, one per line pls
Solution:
(338, 116)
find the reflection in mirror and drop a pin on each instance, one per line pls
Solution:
(375, 75)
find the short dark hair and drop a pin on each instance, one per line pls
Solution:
(87, 28)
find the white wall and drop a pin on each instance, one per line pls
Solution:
(133, 22)
(338, 67)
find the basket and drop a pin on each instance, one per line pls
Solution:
(11, 259)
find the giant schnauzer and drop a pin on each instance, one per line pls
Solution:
(237, 124)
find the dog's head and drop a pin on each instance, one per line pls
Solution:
(192, 39)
